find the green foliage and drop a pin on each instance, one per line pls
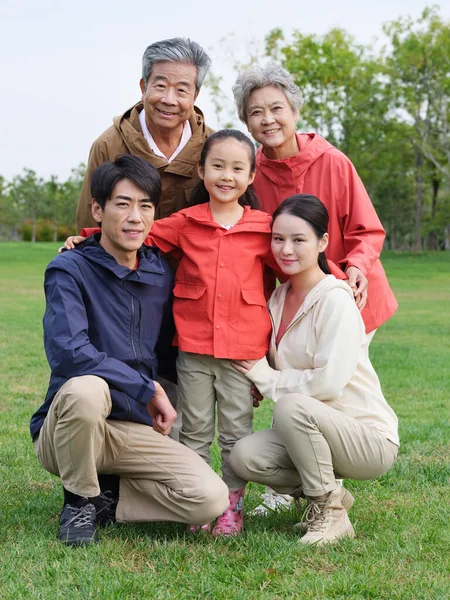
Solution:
(388, 110)
(401, 520)
(38, 208)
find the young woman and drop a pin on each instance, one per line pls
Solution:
(331, 420)
(222, 243)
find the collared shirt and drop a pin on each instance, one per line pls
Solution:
(185, 137)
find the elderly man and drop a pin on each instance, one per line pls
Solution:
(164, 128)
(107, 324)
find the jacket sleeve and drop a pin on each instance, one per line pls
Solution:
(67, 345)
(335, 358)
(362, 231)
(97, 156)
(165, 234)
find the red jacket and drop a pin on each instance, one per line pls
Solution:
(356, 233)
(219, 305)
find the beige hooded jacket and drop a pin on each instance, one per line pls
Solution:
(324, 354)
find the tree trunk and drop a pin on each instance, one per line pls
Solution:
(393, 236)
(419, 193)
(55, 232)
(33, 229)
(433, 242)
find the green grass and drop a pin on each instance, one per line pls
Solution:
(401, 520)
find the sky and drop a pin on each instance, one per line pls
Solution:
(67, 68)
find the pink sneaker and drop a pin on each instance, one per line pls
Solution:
(232, 521)
(195, 528)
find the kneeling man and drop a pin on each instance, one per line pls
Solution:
(107, 326)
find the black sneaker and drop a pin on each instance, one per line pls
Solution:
(105, 506)
(77, 525)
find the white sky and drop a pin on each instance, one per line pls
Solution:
(68, 67)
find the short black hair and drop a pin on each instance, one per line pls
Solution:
(125, 166)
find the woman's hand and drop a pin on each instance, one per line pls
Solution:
(71, 242)
(244, 366)
(358, 283)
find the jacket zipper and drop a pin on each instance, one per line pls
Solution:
(132, 329)
(287, 328)
(129, 408)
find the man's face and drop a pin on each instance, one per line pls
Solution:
(169, 96)
(126, 220)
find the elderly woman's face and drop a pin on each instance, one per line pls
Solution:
(272, 122)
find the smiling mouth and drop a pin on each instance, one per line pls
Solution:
(165, 113)
(133, 232)
(225, 188)
(270, 131)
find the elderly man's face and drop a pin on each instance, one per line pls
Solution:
(169, 96)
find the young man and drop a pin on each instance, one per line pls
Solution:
(107, 327)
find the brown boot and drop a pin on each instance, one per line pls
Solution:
(347, 502)
(327, 520)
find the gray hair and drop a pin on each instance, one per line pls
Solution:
(177, 49)
(256, 78)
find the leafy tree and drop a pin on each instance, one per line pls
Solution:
(418, 67)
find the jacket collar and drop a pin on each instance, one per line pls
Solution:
(311, 147)
(129, 128)
(150, 263)
(253, 220)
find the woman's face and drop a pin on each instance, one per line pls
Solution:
(295, 245)
(272, 122)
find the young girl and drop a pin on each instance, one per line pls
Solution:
(330, 418)
(222, 243)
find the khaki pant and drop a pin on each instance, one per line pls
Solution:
(160, 480)
(204, 381)
(309, 447)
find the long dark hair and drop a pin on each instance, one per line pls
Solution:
(313, 211)
(200, 194)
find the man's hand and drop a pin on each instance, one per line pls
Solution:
(161, 411)
(358, 283)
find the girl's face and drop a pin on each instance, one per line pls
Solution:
(227, 173)
(295, 245)
(272, 122)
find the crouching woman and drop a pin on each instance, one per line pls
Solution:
(331, 420)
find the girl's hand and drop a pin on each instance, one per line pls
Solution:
(71, 242)
(244, 366)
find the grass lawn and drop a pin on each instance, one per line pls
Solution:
(402, 521)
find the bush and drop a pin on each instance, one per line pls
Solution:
(64, 231)
(45, 231)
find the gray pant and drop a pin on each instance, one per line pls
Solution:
(203, 382)
(160, 480)
(310, 446)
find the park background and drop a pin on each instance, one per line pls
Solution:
(375, 78)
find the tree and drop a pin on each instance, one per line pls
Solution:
(418, 67)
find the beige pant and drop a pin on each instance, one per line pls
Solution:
(160, 480)
(310, 446)
(202, 381)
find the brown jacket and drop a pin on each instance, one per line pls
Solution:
(125, 137)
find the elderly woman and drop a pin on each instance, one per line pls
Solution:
(288, 163)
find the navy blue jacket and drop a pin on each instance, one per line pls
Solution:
(106, 320)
